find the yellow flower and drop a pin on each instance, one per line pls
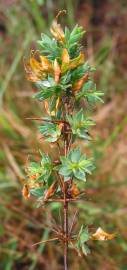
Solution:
(102, 235)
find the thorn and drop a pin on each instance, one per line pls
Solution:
(45, 241)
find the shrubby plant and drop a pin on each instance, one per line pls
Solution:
(63, 80)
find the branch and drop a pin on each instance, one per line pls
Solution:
(45, 241)
(48, 120)
(63, 200)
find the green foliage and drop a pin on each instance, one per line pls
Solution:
(90, 93)
(47, 165)
(37, 192)
(48, 92)
(80, 71)
(53, 49)
(75, 165)
(48, 89)
(50, 131)
(49, 47)
(80, 125)
(42, 170)
(34, 167)
(72, 39)
(83, 237)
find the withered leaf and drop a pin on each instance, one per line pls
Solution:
(50, 192)
(78, 84)
(77, 61)
(56, 28)
(102, 235)
(65, 60)
(74, 190)
(57, 71)
(46, 104)
(25, 192)
(37, 67)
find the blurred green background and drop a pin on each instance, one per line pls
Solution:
(21, 224)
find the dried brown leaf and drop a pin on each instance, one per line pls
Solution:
(56, 28)
(102, 235)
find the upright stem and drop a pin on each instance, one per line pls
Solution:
(66, 235)
(67, 144)
(65, 212)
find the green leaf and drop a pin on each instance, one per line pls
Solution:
(84, 236)
(67, 33)
(75, 155)
(76, 35)
(80, 71)
(50, 131)
(85, 250)
(43, 169)
(52, 103)
(65, 171)
(90, 93)
(72, 40)
(49, 47)
(38, 192)
(87, 86)
(82, 239)
(48, 92)
(95, 97)
(80, 125)
(80, 175)
(66, 79)
(34, 168)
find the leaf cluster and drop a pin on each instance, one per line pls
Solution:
(90, 93)
(39, 176)
(53, 49)
(83, 237)
(49, 47)
(75, 166)
(72, 39)
(50, 131)
(43, 169)
(80, 125)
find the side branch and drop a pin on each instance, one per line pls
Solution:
(56, 121)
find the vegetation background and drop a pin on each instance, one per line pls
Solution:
(21, 225)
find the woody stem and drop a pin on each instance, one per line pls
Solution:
(66, 235)
(67, 144)
(65, 209)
